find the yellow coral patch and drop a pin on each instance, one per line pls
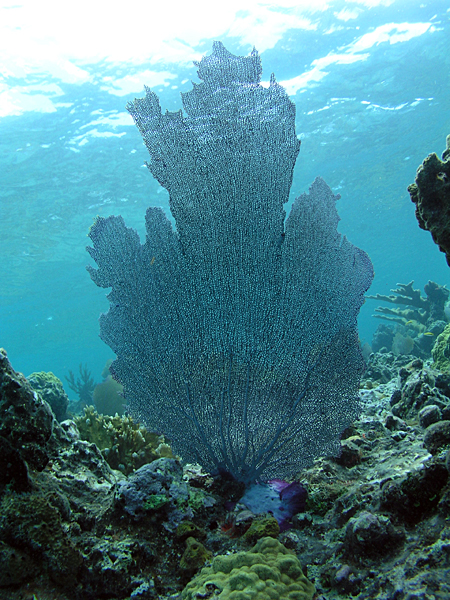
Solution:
(269, 571)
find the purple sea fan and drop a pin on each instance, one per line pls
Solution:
(280, 498)
(236, 333)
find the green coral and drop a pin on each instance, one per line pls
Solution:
(155, 502)
(268, 571)
(50, 388)
(198, 499)
(441, 350)
(108, 397)
(188, 529)
(195, 555)
(125, 444)
(266, 526)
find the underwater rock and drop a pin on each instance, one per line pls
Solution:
(155, 486)
(418, 390)
(281, 499)
(369, 535)
(394, 423)
(350, 454)
(116, 568)
(80, 472)
(347, 582)
(33, 524)
(417, 495)
(429, 414)
(16, 566)
(146, 591)
(71, 430)
(383, 367)
(51, 389)
(26, 420)
(431, 195)
(13, 469)
(437, 436)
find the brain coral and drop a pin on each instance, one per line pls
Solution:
(266, 572)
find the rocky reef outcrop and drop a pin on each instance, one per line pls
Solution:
(375, 525)
(431, 194)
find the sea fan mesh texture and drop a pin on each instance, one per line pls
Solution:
(236, 334)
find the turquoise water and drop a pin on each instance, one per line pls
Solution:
(370, 81)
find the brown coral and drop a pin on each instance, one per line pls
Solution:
(431, 195)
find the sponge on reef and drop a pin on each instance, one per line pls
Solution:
(269, 571)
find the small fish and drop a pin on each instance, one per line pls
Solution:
(409, 322)
(153, 260)
(428, 333)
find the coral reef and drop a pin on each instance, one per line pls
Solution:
(83, 386)
(261, 527)
(374, 528)
(125, 444)
(108, 397)
(158, 485)
(226, 341)
(195, 556)
(268, 570)
(421, 311)
(375, 525)
(283, 500)
(431, 195)
(441, 350)
(50, 388)
(27, 422)
(419, 388)
(417, 324)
